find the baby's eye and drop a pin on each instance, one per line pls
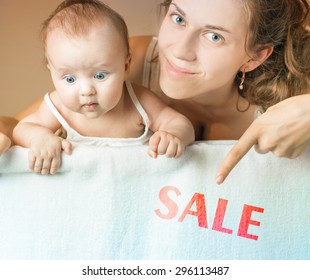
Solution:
(100, 75)
(70, 79)
(178, 20)
(214, 37)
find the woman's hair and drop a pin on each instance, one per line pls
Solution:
(283, 25)
(77, 17)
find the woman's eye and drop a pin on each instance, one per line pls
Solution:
(214, 37)
(70, 79)
(100, 75)
(177, 19)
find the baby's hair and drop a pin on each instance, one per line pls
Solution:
(77, 17)
(284, 25)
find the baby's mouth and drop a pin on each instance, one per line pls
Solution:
(90, 106)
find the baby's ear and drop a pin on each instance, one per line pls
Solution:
(258, 59)
(127, 64)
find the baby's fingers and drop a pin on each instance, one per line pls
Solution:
(153, 145)
(178, 150)
(66, 146)
(42, 165)
(174, 150)
(46, 166)
(35, 164)
(163, 145)
(55, 164)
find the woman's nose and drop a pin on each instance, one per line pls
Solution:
(185, 47)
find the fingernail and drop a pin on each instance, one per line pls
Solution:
(219, 179)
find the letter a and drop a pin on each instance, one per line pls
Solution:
(201, 210)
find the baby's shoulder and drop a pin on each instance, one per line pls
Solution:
(145, 95)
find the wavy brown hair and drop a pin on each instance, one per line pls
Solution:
(284, 25)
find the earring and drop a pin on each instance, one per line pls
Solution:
(242, 81)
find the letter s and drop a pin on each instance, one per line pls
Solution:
(168, 202)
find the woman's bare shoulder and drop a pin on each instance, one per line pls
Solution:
(138, 48)
(32, 108)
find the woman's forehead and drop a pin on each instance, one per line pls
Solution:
(220, 11)
(227, 14)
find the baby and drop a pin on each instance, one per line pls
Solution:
(87, 54)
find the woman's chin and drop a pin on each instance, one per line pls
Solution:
(174, 90)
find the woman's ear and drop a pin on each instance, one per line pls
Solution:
(258, 58)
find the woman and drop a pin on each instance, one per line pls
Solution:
(225, 62)
(272, 66)
(6, 127)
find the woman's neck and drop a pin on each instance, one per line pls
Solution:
(220, 104)
(227, 118)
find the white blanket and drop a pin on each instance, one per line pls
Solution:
(118, 203)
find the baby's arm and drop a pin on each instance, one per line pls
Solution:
(6, 127)
(36, 132)
(172, 131)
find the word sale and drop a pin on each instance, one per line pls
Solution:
(201, 213)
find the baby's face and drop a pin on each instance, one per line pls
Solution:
(88, 71)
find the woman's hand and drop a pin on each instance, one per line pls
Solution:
(5, 143)
(283, 129)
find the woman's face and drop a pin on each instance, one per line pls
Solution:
(202, 48)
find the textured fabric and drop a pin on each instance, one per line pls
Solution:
(118, 203)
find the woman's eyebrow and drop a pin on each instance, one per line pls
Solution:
(220, 28)
(209, 26)
(178, 9)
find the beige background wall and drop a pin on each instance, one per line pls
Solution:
(23, 77)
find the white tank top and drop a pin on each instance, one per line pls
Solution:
(75, 137)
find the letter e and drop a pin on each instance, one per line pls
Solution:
(245, 221)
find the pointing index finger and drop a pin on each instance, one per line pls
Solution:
(237, 152)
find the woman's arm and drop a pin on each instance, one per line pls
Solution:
(29, 110)
(7, 125)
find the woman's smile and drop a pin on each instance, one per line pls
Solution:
(176, 71)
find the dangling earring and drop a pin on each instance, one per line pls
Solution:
(242, 81)
(241, 87)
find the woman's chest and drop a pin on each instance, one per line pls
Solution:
(210, 126)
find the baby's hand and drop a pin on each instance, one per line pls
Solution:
(5, 143)
(163, 143)
(45, 153)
